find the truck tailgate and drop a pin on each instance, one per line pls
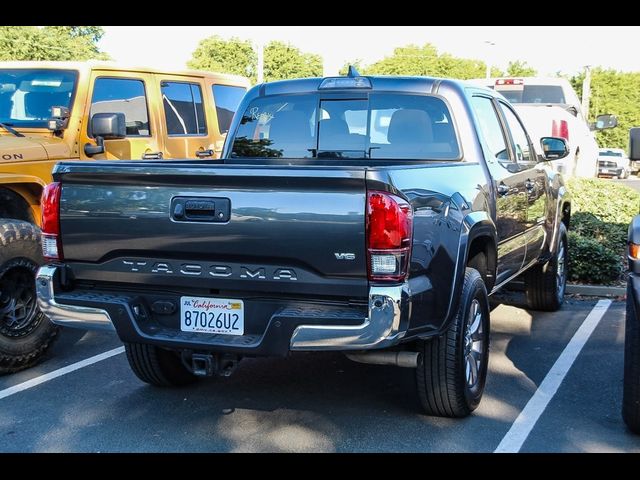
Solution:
(278, 229)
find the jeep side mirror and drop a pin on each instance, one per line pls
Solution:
(604, 121)
(553, 148)
(634, 143)
(105, 126)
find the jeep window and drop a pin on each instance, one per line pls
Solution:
(490, 128)
(532, 93)
(382, 126)
(183, 108)
(123, 95)
(27, 95)
(227, 99)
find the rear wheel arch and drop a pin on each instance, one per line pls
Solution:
(482, 254)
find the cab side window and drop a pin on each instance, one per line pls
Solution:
(227, 99)
(520, 142)
(123, 95)
(490, 127)
(183, 108)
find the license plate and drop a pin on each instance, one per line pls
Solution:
(212, 315)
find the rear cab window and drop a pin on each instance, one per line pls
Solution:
(375, 126)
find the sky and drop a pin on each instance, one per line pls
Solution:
(548, 49)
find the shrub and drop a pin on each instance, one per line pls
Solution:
(601, 211)
(591, 262)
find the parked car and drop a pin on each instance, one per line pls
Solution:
(613, 162)
(549, 106)
(367, 215)
(46, 113)
(631, 388)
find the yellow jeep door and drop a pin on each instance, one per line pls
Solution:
(133, 94)
(185, 122)
(226, 98)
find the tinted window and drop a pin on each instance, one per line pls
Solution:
(227, 100)
(26, 96)
(183, 108)
(533, 94)
(121, 95)
(490, 127)
(384, 126)
(520, 143)
(609, 153)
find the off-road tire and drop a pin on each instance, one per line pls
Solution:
(631, 388)
(545, 283)
(25, 332)
(443, 387)
(156, 366)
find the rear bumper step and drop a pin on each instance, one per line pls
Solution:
(289, 329)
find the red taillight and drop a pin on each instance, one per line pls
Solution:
(50, 205)
(389, 233)
(560, 128)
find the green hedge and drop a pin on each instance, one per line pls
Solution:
(601, 211)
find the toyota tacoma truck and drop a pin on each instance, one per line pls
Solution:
(45, 116)
(366, 215)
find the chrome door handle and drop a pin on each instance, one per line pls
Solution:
(503, 189)
(204, 153)
(152, 156)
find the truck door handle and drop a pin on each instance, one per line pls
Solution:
(503, 189)
(529, 185)
(152, 156)
(204, 153)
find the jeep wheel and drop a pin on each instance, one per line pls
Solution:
(25, 332)
(156, 366)
(453, 367)
(545, 283)
(631, 389)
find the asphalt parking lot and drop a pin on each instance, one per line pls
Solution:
(326, 403)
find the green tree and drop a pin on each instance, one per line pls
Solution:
(424, 61)
(50, 43)
(237, 56)
(617, 93)
(520, 69)
(282, 61)
(216, 54)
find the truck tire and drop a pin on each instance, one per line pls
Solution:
(25, 332)
(156, 366)
(631, 388)
(545, 283)
(452, 369)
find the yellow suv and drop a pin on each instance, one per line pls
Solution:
(48, 113)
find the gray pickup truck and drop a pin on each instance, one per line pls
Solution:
(367, 215)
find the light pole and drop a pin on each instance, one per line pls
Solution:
(489, 44)
(586, 91)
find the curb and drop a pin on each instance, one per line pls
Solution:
(596, 290)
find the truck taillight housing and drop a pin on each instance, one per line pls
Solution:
(50, 205)
(560, 128)
(389, 236)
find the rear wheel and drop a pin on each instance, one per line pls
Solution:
(631, 389)
(25, 332)
(452, 371)
(156, 366)
(545, 283)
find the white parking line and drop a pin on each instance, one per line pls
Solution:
(58, 373)
(519, 431)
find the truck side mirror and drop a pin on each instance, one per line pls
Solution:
(634, 143)
(604, 121)
(553, 148)
(105, 126)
